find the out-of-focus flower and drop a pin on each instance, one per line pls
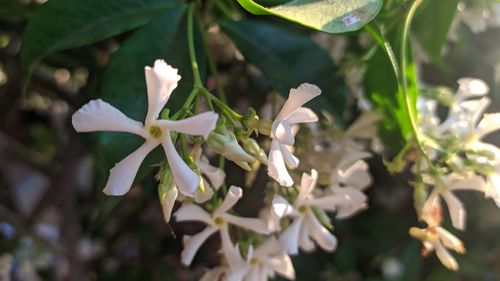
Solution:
(282, 134)
(261, 264)
(98, 115)
(216, 222)
(436, 238)
(444, 189)
(305, 224)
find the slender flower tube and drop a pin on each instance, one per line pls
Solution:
(98, 115)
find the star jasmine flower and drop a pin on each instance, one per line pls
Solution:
(444, 189)
(98, 115)
(218, 221)
(347, 200)
(305, 224)
(282, 134)
(438, 239)
(260, 264)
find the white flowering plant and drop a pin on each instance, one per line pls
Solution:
(250, 140)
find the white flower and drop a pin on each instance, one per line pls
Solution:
(261, 264)
(216, 222)
(436, 238)
(444, 189)
(282, 134)
(98, 115)
(305, 224)
(347, 201)
(352, 171)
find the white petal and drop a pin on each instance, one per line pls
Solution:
(123, 173)
(98, 115)
(357, 175)
(186, 180)
(254, 224)
(283, 265)
(232, 197)
(282, 131)
(450, 241)
(291, 161)
(489, 124)
(215, 175)
(193, 243)
(198, 125)
(289, 239)
(307, 184)
(231, 252)
(445, 257)
(281, 208)
(305, 242)
(302, 115)
(350, 157)
(320, 234)
(192, 212)
(457, 210)
(276, 166)
(161, 80)
(471, 87)
(474, 183)
(298, 97)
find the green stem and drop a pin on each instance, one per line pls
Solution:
(192, 53)
(412, 116)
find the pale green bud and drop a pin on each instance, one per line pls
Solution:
(227, 146)
(265, 127)
(251, 146)
(419, 197)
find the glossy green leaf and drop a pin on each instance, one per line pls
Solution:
(65, 24)
(332, 16)
(288, 59)
(124, 84)
(431, 26)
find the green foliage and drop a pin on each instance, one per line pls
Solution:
(332, 16)
(65, 24)
(288, 59)
(432, 22)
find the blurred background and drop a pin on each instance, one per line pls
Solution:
(55, 223)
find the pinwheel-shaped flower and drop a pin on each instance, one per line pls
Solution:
(305, 224)
(216, 222)
(261, 264)
(98, 115)
(282, 135)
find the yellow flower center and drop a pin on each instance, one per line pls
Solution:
(254, 261)
(155, 132)
(218, 221)
(302, 209)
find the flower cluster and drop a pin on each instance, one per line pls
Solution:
(457, 159)
(297, 209)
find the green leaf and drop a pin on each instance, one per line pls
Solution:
(124, 84)
(432, 34)
(332, 16)
(65, 24)
(288, 59)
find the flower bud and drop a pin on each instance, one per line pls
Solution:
(226, 145)
(419, 197)
(265, 127)
(252, 147)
